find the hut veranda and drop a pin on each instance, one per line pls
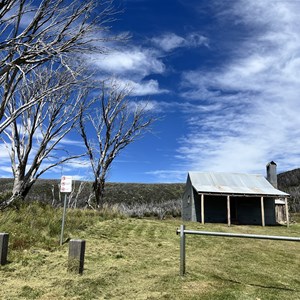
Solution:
(233, 198)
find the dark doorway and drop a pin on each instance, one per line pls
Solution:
(233, 210)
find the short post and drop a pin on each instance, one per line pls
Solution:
(76, 256)
(3, 248)
(182, 250)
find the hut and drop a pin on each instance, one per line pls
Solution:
(231, 198)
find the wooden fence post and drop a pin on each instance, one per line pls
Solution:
(76, 256)
(3, 248)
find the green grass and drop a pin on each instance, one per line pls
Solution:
(139, 259)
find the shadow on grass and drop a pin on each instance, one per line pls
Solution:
(255, 284)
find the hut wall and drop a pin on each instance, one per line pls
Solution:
(186, 206)
(280, 213)
(187, 202)
(196, 211)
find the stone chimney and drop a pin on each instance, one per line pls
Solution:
(272, 173)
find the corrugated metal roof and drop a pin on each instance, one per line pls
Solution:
(233, 183)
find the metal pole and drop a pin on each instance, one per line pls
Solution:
(241, 235)
(63, 220)
(183, 232)
(182, 250)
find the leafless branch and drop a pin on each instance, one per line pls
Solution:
(57, 30)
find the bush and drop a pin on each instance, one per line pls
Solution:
(161, 210)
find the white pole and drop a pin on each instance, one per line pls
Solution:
(262, 211)
(202, 208)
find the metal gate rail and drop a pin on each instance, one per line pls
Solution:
(183, 232)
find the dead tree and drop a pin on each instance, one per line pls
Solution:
(33, 139)
(110, 124)
(55, 30)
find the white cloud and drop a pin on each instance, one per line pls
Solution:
(150, 87)
(258, 93)
(174, 106)
(142, 88)
(131, 66)
(171, 41)
(130, 62)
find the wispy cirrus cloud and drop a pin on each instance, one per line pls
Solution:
(258, 92)
(175, 106)
(141, 88)
(171, 41)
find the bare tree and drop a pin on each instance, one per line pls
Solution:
(34, 137)
(115, 123)
(55, 30)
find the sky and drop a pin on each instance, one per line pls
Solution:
(223, 77)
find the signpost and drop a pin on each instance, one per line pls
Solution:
(65, 187)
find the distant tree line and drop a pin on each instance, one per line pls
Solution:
(290, 183)
(131, 199)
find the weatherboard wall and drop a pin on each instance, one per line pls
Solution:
(188, 202)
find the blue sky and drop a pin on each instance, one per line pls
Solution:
(222, 76)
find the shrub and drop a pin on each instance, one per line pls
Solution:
(151, 209)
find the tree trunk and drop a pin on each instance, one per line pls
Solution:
(21, 188)
(98, 188)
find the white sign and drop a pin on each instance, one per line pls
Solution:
(66, 184)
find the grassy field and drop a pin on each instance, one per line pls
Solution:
(130, 258)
